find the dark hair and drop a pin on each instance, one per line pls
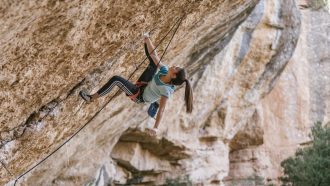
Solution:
(188, 95)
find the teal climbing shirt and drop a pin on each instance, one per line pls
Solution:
(156, 88)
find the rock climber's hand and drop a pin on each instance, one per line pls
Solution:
(146, 35)
(151, 132)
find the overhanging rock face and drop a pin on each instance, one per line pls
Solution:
(162, 148)
(234, 52)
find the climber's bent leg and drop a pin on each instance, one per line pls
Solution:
(126, 86)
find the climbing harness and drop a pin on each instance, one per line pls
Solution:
(137, 97)
(44, 159)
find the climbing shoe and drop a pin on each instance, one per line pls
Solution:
(83, 94)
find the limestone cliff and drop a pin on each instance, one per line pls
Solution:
(236, 53)
(283, 118)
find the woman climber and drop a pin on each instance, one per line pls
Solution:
(152, 86)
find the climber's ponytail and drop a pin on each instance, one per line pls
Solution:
(188, 95)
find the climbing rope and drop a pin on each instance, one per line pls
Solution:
(4, 166)
(178, 22)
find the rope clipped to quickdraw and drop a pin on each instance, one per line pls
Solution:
(44, 159)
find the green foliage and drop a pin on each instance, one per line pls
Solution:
(179, 181)
(317, 4)
(254, 180)
(311, 165)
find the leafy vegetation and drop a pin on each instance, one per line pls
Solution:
(254, 180)
(317, 4)
(311, 165)
(179, 181)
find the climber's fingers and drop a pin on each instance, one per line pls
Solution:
(151, 132)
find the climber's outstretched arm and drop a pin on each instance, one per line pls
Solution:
(162, 104)
(152, 51)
